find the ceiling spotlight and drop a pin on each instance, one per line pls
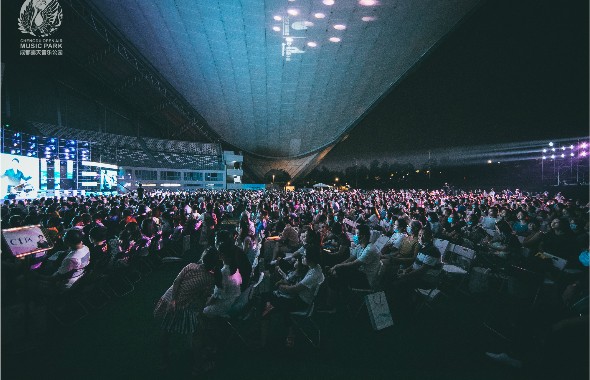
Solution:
(328, 2)
(293, 12)
(276, 28)
(312, 44)
(339, 27)
(563, 148)
(571, 147)
(563, 156)
(334, 39)
(571, 154)
(544, 150)
(553, 156)
(289, 39)
(368, 3)
(277, 18)
(550, 144)
(369, 18)
(584, 145)
(544, 157)
(319, 15)
(553, 149)
(489, 161)
(583, 154)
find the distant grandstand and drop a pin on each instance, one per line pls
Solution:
(131, 151)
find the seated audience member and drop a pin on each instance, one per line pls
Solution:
(396, 238)
(408, 248)
(489, 222)
(178, 309)
(244, 265)
(246, 238)
(295, 275)
(521, 225)
(288, 242)
(99, 250)
(72, 266)
(434, 223)
(337, 248)
(361, 269)
(298, 296)
(452, 229)
(133, 244)
(227, 284)
(309, 237)
(422, 272)
(533, 239)
(505, 244)
(473, 234)
(560, 241)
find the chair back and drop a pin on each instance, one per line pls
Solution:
(557, 262)
(380, 243)
(309, 312)
(459, 256)
(442, 246)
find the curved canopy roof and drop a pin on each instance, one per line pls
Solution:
(283, 79)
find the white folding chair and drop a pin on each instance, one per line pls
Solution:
(442, 246)
(297, 317)
(242, 310)
(457, 264)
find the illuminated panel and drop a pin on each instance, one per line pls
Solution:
(20, 176)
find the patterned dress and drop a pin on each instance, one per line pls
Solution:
(190, 290)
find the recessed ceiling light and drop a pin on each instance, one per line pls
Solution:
(278, 18)
(276, 28)
(368, 3)
(339, 27)
(289, 39)
(328, 2)
(334, 39)
(319, 15)
(293, 12)
(369, 18)
(312, 44)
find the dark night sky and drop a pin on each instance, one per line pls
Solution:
(512, 71)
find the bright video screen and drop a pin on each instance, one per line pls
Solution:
(19, 178)
(108, 180)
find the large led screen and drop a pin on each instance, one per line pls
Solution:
(108, 180)
(19, 178)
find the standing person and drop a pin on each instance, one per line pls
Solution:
(140, 191)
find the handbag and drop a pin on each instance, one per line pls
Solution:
(378, 309)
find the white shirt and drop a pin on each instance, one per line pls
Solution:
(312, 280)
(396, 239)
(371, 262)
(74, 262)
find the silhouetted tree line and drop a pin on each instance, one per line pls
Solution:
(383, 175)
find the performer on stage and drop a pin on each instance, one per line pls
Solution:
(15, 177)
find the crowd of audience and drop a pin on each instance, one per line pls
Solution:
(298, 240)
